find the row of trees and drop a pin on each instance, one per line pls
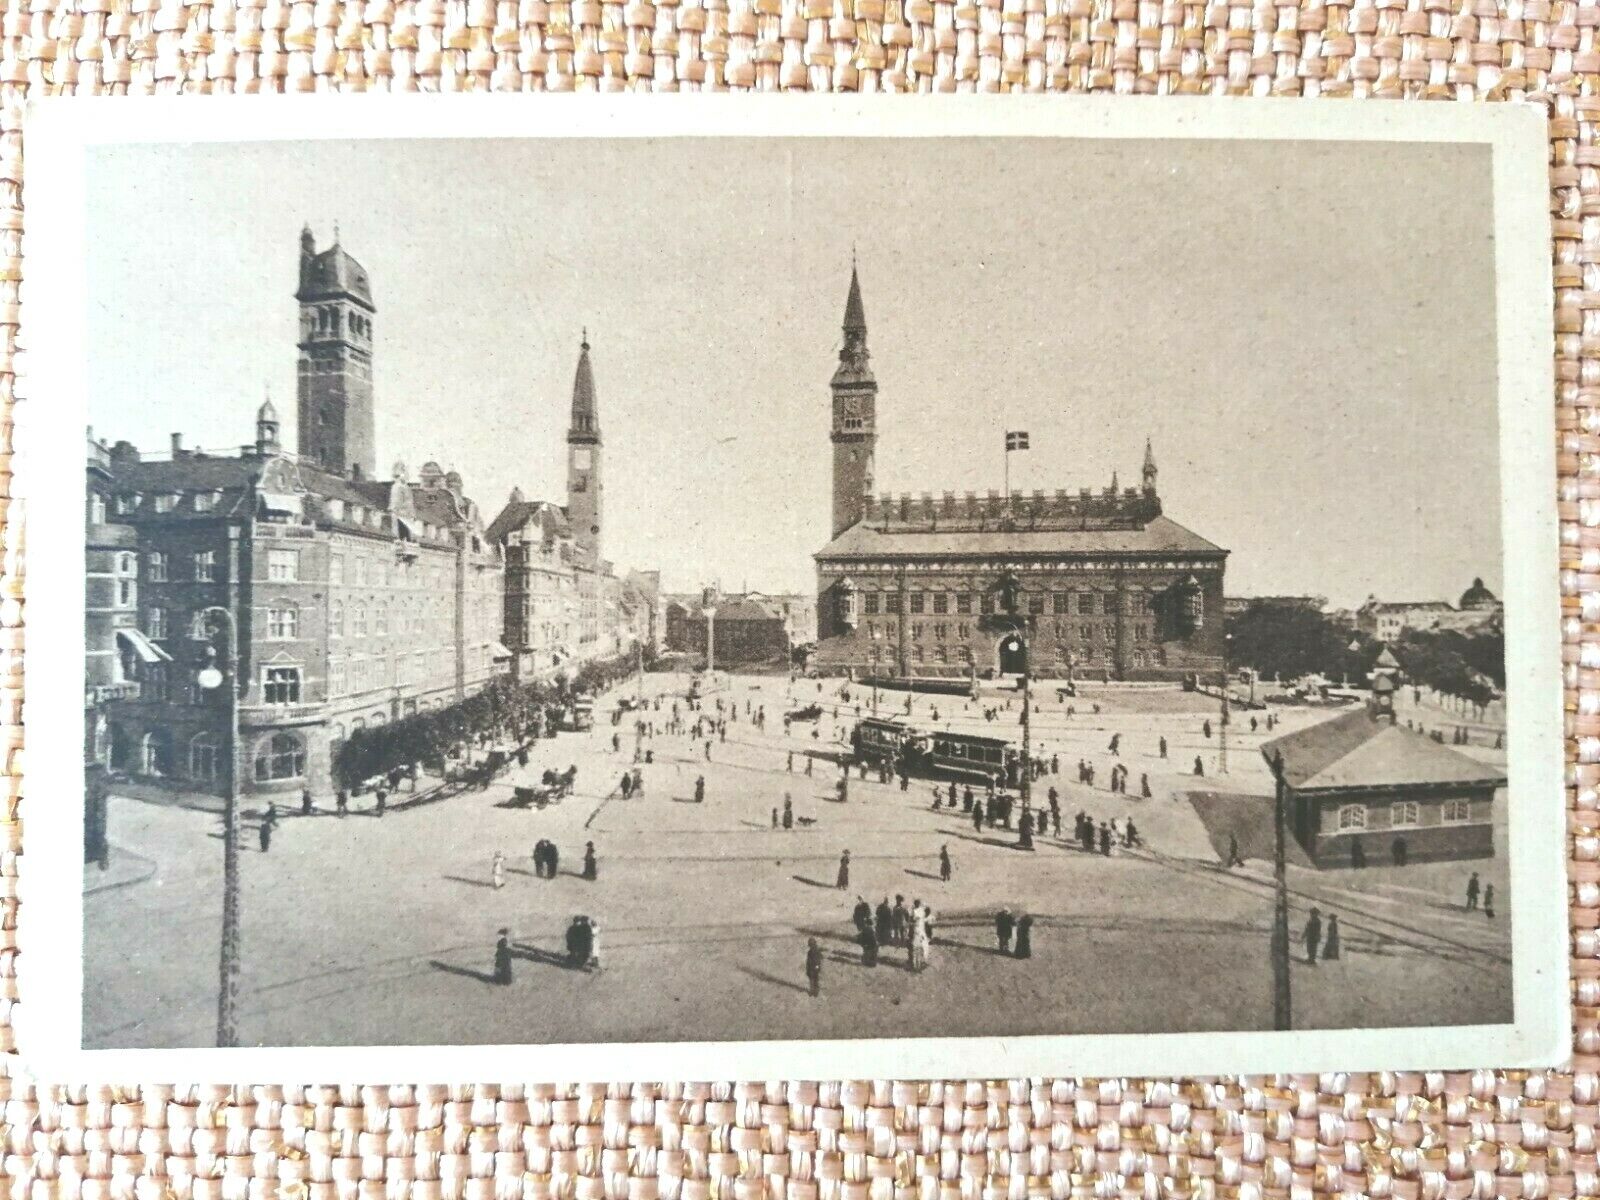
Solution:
(1287, 641)
(503, 708)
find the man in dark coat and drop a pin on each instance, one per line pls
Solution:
(869, 940)
(862, 916)
(591, 868)
(843, 881)
(1105, 838)
(900, 930)
(502, 958)
(944, 863)
(1024, 936)
(1313, 935)
(1004, 923)
(265, 833)
(814, 967)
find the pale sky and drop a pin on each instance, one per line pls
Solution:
(1306, 331)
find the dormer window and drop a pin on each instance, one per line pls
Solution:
(206, 501)
(166, 502)
(127, 502)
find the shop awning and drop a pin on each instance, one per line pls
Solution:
(500, 650)
(147, 650)
(279, 502)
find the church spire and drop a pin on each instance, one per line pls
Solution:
(1149, 467)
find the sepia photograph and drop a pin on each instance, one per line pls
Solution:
(845, 586)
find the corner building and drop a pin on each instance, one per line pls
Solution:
(1092, 584)
(357, 600)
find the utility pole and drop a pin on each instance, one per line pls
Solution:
(1027, 719)
(1282, 1011)
(1223, 723)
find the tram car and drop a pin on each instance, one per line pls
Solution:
(973, 756)
(878, 740)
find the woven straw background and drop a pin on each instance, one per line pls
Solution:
(1406, 1135)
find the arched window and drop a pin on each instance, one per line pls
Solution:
(155, 753)
(205, 757)
(282, 756)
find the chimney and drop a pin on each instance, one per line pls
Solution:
(177, 445)
(355, 471)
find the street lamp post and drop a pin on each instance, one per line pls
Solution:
(1282, 1012)
(211, 678)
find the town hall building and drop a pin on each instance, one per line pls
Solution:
(1088, 584)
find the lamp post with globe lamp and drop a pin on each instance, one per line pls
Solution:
(211, 677)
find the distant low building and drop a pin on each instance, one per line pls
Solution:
(1365, 791)
(1388, 620)
(744, 632)
(798, 612)
(1235, 605)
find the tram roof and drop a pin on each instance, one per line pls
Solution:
(970, 737)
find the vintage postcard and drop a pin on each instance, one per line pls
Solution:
(583, 587)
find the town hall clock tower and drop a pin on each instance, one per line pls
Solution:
(584, 493)
(855, 410)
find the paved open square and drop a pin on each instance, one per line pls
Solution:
(361, 924)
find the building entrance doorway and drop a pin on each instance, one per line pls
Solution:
(1013, 655)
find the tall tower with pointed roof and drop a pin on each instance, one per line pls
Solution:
(584, 488)
(855, 414)
(335, 379)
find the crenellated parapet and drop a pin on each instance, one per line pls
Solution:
(1108, 508)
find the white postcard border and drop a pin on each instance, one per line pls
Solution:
(48, 479)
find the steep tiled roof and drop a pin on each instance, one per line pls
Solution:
(335, 273)
(1159, 536)
(1359, 750)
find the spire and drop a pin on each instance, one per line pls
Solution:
(855, 316)
(1149, 467)
(853, 366)
(584, 417)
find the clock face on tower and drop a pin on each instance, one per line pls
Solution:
(580, 459)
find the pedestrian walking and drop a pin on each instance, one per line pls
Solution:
(788, 811)
(383, 800)
(1144, 785)
(626, 786)
(1330, 944)
(1025, 832)
(341, 802)
(1199, 767)
(1472, 892)
(977, 818)
(591, 865)
(1206, 727)
(1488, 901)
(1024, 936)
(497, 870)
(944, 864)
(265, 835)
(1234, 859)
(1105, 839)
(1130, 834)
(700, 789)
(869, 940)
(901, 928)
(552, 859)
(1004, 924)
(305, 802)
(814, 967)
(843, 881)
(883, 923)
(1163, 747)
(502, 958)
(1313, 935)
(774, 818)
(861, 916)
(1115, 744)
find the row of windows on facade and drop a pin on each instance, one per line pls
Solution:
(352, 364)
(283, 622)
(329, 318)
(1059, 603)
(962, 654)
(207, 501)
(278, 757)
(1403, 814)
(1140, 631)
(283, 566)
(281, 683)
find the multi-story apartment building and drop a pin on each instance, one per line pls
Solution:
(356, 600)
(541, 613)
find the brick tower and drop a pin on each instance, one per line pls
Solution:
(855, 404)
(584, 489)
(335, 386)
